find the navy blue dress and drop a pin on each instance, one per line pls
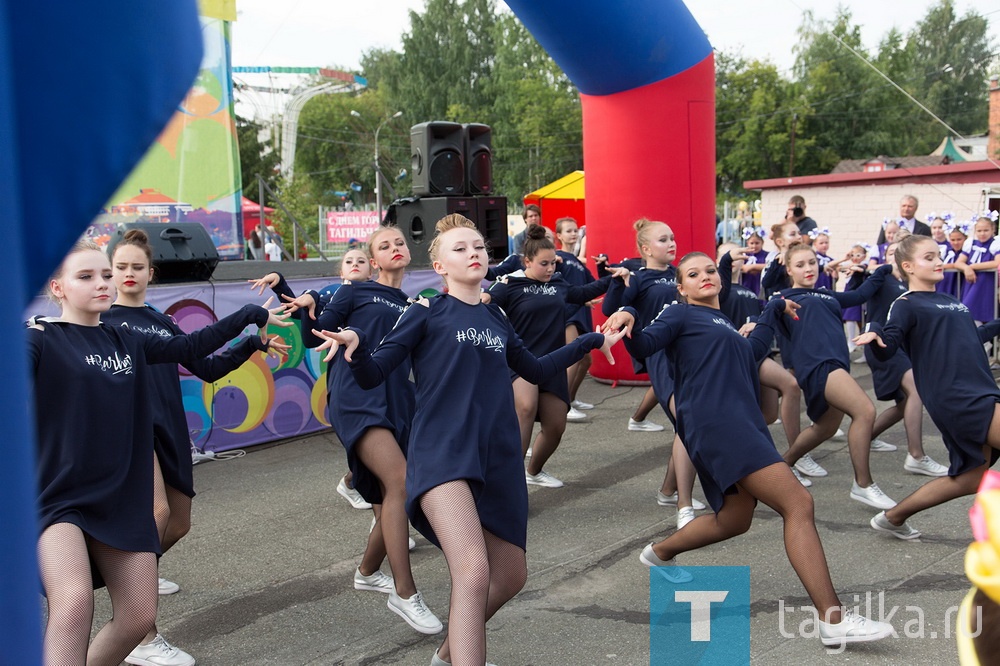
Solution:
(374, 308)
(886, 375)
(715, 368)
(576, 273)
(950, 369)
(537, 312)
(171, 438)
(95, 458)
(818, 345)
(465, 426)
(649, 291)
(824, 280)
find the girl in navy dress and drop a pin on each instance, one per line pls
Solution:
(95, 473)
(756, 258)
(893, 381)
(465, 474)
(374, 425)
(535, 302)
(978, 260)
(578, 317)
(735, 457)
(648, 290)
(821, 362)
(952, 375)
(173, 479)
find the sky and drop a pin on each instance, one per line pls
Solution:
(320, 33)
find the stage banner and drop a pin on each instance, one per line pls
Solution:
(344, 226)
(265, 399)
(192, 172)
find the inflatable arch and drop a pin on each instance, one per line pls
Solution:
(646, 76)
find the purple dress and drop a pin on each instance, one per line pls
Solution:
(981, 296)
(825, 280)
(953, 280)
(752, 280)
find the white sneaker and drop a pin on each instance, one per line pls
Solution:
(581, 405)
(853, 629)
(167, 587)
(575, 415)
(809, 467)
(925, 466)
(882, 446)
(415, 613)
(803, 480)
(643, 426)
(438, 661)
(352, 495)
(685, 515)
(158, 652)
(528, 454)
(839, 434)
(872, 496)
(543, 478)
(671, 500)
(668, 568)
(377, 582)
(905, 531)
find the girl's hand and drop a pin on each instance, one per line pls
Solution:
(304, 301)
(791, 309)
(970, 275)
(333, 341)
(600, 259)
(268, 281)
(621, 273)
(868, 338)
(747, 328)
(739, 254)
(609, 341)
(274, 346)
(619, 320)
(276, 316)
(484, 296)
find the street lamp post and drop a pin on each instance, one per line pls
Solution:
(379, 178)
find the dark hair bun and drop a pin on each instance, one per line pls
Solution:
(535, 232)
(136, 236)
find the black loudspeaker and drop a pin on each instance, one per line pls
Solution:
(416, 218)
(492, 224)
(478, 159)
(436, 158)
(182, 252)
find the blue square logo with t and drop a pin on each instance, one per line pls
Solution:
(699, 615)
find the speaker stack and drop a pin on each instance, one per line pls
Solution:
(182, 252)
(452, 168)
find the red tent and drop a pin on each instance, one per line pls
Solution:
(251, 216)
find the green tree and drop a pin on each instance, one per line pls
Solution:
(256, 157)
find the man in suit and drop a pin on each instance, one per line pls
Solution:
(908, 219)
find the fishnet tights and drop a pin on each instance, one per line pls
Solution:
(64, 553)
(486, 571)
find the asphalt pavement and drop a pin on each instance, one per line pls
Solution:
(266, 572)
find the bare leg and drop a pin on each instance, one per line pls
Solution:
(552, 412)
(526, 406)
(65, 570)
(769, 404)
(684, 470)
(913, 416)
(649, 401)
(380, 453)
(374, 555)
(814, 435)
(179, 523)
(131, 581)
(451, 510)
